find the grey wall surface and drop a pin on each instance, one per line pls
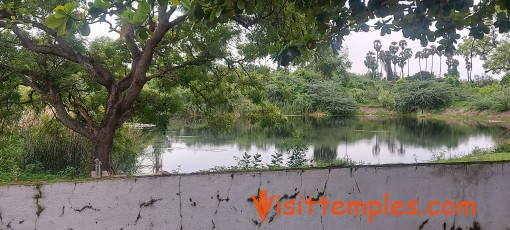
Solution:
(223, 200)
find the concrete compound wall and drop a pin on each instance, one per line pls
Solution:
(222, 200)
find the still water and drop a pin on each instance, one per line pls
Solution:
(370, 140)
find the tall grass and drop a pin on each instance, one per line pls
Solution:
(51, 147)
(40, 147)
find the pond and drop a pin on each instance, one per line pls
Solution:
(189, 147)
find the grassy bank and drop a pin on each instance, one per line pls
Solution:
(452, 113)
(477, 157)
(501, 152)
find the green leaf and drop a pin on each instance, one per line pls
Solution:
(241, 4)
(69, 7)
(60, 13)
(62, 30)
(199, 12)
(176, 2)
(54, 22)
(144, 7)
(186, 3)
(142, 33)
(21, 10)
(138, 17)
(85, 29)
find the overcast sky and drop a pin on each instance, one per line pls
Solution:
(360, 43)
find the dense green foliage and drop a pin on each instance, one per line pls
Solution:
(415, 95)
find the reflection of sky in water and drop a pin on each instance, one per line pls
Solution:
(195, 157)
(379, 141)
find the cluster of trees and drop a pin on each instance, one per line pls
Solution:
(399, 55)
(492, 49)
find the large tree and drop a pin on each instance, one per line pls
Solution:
(49, 32)
(94, 87)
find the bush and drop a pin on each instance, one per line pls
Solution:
(296, 149)
(452, 80)
(482, 104)
(502, 99)
(502, 147)
(360, 96)
(415, 95)
(505, 80)
(483, 80)
(333, 98)
(423, 75)
(10, 153)
(387, 99)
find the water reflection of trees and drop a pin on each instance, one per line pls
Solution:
(324, 153)
(394, 134)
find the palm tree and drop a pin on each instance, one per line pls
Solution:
(440, 54)
(402, 60)
(419, 56)
(469, 66)
(402, 44)
(377, 47)
(433, 51)
(425, 55)
(452, 64)
(394, 49)
(408, 54)
(385, 57)
(371, 63)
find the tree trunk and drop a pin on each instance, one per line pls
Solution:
(419, 63)
(432, 68)
(440, 64)
(103, 148)
(408, 64)
(389, 71)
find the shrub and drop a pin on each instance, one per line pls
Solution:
(502, 147)
(415, 95)
(333, 98)
(502, 99)
(423, 75)
(10, 153)
(482, 104)
(452, 80)
(387, 99)
(360, 96)
(505, 80)
(296, 148)
(483, 80)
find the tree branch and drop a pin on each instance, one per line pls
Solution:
(169, 69)
(61, 49)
